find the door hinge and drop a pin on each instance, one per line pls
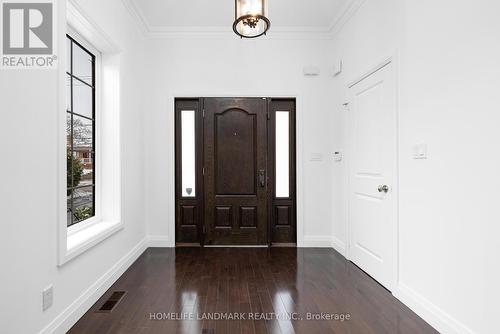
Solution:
(204, 229)
(268, 115)
(203, 113)
(203, 171)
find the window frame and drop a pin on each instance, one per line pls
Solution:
(82, 237)
(97, 79)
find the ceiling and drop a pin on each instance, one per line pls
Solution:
(182, 15)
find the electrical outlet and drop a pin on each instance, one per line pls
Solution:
(47, 297)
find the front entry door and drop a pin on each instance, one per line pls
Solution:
(235, 172)
(372, 210)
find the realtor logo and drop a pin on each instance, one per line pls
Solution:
(28, 34)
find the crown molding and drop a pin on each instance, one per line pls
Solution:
(137, 16)
(347, 12)
(217, 32)
(78, 19)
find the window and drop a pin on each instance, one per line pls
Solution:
(80, 133)
(188, 153)
(282, 154)
(89, 149)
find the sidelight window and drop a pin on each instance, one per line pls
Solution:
(188, 153)
(282, 154)
(80, 133)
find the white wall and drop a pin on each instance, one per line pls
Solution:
(234, 67)
(28, 136)
(449, 82)
(449, 216)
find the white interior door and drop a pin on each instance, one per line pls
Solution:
(372, 214)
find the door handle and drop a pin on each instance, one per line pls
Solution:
(262, 178)
(383, 188)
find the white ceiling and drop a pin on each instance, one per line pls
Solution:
(290, 14)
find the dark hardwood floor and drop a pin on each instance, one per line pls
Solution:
(278, 287)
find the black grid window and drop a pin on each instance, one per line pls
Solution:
(80, 133)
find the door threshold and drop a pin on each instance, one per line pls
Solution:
(284, 245)
(187, 244)
(236, 246)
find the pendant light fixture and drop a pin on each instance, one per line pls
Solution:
(250, 18)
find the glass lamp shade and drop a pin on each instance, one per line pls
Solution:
(250, 18)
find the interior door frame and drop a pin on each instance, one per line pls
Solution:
(296, 168)
(392, 60)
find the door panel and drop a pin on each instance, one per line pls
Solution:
(235, 142)
(248, 216)
(373, 145)
(223, 217)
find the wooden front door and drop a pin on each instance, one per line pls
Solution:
(235, 171)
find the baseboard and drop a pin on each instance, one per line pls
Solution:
(159, 241)
(319, 241)
(66, 319)
(339, 246)
(435, 316)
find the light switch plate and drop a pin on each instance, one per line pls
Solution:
(420, 151)
(316, 157)
(47, 297)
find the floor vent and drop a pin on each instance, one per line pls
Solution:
(112, 301)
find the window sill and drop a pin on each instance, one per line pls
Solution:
(83, 240)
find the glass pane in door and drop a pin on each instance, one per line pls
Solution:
(188, 153)
(282, 154)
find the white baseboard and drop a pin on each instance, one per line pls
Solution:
(435, 316)
(66, 319)
(319, 241)
(339, 246)
(159, 241)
